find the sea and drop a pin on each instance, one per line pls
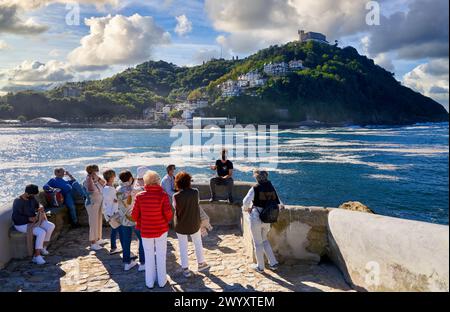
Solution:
(396, 171)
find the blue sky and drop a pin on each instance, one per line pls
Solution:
(38, 47)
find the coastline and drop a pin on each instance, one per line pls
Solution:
(137, 126)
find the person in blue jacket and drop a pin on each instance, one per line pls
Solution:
(69, 188)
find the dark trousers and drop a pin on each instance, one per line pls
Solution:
(228, 182)
(125, 237)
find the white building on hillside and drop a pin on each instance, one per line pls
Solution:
(296, 64)
(276, 69)
(230, 88)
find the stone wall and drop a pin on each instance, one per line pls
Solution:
(378, 253)
(5, 226)
(299, 235)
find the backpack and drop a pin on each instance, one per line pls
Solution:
(270, 213)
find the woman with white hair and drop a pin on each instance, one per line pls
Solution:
(152, 213)
(259, 197)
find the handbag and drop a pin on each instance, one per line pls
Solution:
(114, 221)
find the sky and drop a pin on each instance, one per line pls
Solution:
(47, 42)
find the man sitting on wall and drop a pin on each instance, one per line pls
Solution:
(224, 168)
(70, 189)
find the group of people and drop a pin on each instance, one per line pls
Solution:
(147, 206)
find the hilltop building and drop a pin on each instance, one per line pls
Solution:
(251, 79)
(312, 36)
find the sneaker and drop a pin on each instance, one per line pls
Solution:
(187, 273)
(256, 268)
(212, 199)
(39, 260)
(44, 252)
(141, 267)
(96, 247)
(114, 251)
(203, 266)
(102, 242)
(274, 267)
(129, 266)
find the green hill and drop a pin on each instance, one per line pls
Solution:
(337, 86)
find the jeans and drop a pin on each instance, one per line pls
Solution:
(69, 200)
(126, 236)
(155, 264)
(229, 183)
(183, 242)
(259, 231)
(114, 233)
(43, 233)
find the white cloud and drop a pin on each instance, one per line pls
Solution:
(12, 13)
(184, 25)
(118, 40)
(34, 72)
(431, 79)
(3, 45)
(253, 24)
(385, 61)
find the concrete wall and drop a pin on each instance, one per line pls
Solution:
(299, 235)
(5, 225)
(378, 253)
(239, 191)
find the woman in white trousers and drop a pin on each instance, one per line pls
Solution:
(152, 213)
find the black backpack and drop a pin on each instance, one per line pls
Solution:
(270, 213)
(269, 208)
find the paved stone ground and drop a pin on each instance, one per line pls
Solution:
(73, 267)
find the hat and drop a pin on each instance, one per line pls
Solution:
(32, 189)
(141, 171)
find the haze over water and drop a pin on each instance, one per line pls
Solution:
(401, 171)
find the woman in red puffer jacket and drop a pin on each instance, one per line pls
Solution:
(152, 213)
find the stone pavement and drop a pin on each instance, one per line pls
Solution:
(73, 267)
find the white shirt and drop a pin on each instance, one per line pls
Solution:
(110, 203)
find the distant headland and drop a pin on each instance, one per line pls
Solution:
(307, 81)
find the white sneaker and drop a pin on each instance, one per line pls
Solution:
(141, 267)
(44, 252)
(96, 247)
(101, 242)
(39, 260)
(129, 266)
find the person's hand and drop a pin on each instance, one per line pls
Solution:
(32, 219)
(212, 167)
(41, 209)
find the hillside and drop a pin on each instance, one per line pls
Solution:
(335, 86)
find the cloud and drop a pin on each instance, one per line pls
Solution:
(257, 23)
(431, 79)
(3, 45)
(12, 22)
(35, 72)
(184, 25)
(420, 32)
(205, 55)
(118, 40)
(12, 11)
(385, 61)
